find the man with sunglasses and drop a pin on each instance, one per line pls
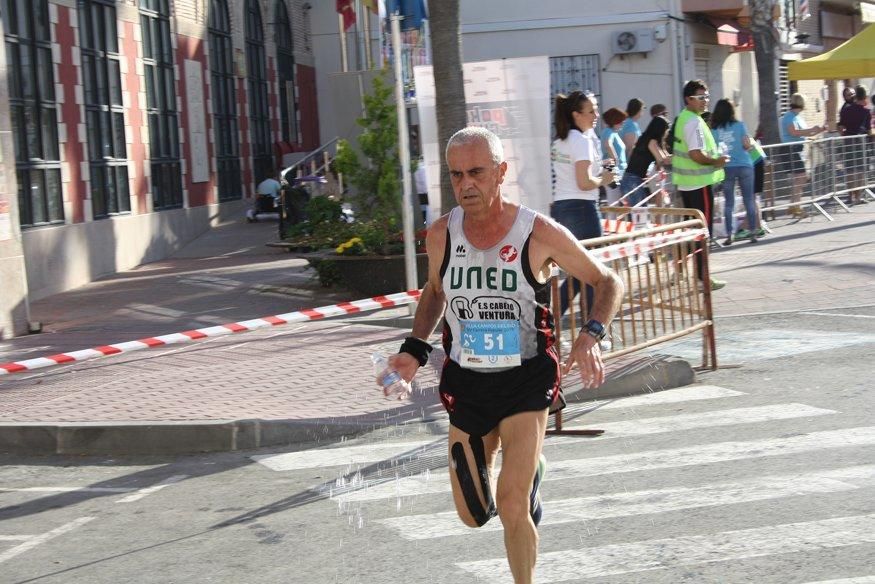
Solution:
(697, 164)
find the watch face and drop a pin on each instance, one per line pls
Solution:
(595, 328)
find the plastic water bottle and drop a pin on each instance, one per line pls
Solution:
(394, 386)
(723, 148)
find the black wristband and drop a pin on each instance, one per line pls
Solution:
(418, 348)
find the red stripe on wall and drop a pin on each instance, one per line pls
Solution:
(71, 115)
(245, 144)
(273, 98)
(134, 120)
(307, 101)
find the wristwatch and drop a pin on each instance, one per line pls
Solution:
(595, 329)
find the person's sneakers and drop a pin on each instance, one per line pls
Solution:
(728, 241)
(717, 284)
(742, 234)
(761, 232)
(535, 507)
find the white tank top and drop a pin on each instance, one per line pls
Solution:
(497, 312)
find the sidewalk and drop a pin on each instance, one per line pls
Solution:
(310, 381)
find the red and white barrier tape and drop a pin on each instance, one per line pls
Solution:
(617, 226)
(646, 244)
(612, 252)
(344, 308)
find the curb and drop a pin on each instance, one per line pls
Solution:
(645, 374)
(173, 438)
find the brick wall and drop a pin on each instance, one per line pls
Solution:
(189, 19)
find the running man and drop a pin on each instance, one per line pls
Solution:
(489, 264)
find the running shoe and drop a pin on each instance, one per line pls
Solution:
(535, 500)
(742, 234)
(717, 284)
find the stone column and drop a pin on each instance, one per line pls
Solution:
(14, 308)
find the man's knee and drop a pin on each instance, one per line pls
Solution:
(478, 513)
(514, 506)
(465, 516)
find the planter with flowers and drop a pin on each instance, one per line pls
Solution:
(364, 254)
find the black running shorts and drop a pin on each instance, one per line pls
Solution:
(477, 401)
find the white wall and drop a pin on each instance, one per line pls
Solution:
(740, 84)
(494, 29)
(567, 28)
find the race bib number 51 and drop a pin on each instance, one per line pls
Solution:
(490, 343)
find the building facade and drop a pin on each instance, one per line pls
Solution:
(129, 127)
(638, 49)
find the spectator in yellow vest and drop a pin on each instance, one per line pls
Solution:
(697, 164)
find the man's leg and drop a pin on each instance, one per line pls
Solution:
(697, 200)
(471, 476)
(522, 436)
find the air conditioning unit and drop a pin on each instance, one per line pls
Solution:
(625, 42)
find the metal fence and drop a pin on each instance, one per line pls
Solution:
(662, 267)
(799, 179)
(818, 175)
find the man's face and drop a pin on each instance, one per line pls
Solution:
(849, 95)
(476, 178)
(699, 101)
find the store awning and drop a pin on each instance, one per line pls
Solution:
(852, 59)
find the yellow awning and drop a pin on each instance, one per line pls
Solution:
(852, 59)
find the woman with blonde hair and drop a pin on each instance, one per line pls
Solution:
(794, 129)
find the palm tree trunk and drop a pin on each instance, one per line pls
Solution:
(765, 43)
(446, 44)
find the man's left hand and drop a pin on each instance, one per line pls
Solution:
(587, 355)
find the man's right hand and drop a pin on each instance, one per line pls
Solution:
(607, 177)
(405, 364)
(721, 161)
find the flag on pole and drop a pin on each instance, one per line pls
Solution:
(803, 10)
(346, 9)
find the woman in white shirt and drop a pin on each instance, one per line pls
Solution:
(576, 157)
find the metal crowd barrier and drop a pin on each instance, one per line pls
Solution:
(664, 297)
(815, 173)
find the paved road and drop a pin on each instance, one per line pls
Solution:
(763, 473)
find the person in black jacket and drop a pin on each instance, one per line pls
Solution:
(649, 149)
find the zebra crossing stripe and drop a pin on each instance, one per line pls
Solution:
(345, 456)
(752, 415)
(438, 482)
(66, 489)
(371, 453)
(608, 560)
(671, 396)
(860, 580)
(427, 526)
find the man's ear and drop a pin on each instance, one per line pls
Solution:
(502, 168)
